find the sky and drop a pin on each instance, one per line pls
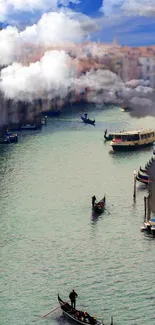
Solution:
(132, 22)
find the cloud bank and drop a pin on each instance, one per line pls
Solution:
(11, 7)
(47, 78)
(129, 7)
(52, 29)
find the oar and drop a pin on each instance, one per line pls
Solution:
(52, 311)
(107, 210)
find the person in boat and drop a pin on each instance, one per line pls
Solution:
(72, 296)
(86, 115)
(93, 201)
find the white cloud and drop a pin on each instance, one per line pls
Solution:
(56, 27)
(52, 29)
(128, 7)
(9, 45)
(139, 7)
(47, 78)
(10, 7)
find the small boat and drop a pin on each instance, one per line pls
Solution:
(52, 113)
(31, 127)
(78, 316)
(13, 137)
(146, 227)
(87, 120)
(99, 207)
(108, 137)
(131, 140)
(148, 165)
(142, 180)
(149, 226)
(143, 170)
(142, 176)
(150, 162)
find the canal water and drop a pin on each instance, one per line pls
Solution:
(50, 244)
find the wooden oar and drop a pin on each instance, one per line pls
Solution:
(107, 210)
(52, 311)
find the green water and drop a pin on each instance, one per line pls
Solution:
(50, 243)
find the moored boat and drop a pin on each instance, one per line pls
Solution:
(30, 127)
(87, 120)
(149, 226)
(143, 170)
(132, 139)
(142, 175)
(13, 137)
(146, 227)
(99, 207)
(142, 180)
(152, 225)
(52, 113)
(78, 316)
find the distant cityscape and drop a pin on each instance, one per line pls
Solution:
(128, 63)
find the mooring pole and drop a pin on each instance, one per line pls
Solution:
(145, 202)
(134, 189)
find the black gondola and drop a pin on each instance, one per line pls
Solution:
(99, 206)
(78, 316)
(143, 170)
(108, 137)
(52, 113)
(146, 177)
(87, 120)
(142, 180)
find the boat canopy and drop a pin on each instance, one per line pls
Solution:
(133, 135)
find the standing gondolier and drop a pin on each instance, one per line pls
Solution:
(93, 201)
(72, 296)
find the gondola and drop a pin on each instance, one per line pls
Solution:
(108, 137)
(99, 207)
(150, 162)
(13, 137)
(87, 120)
(78, 316)
(142, 176)
(52, 113)
(143, 170)
(142, 180)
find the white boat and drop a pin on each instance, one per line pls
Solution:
(149, 226)
(146, 227)
(132, 139)
(152, 226)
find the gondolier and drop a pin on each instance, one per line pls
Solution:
(73, 295)
(93, 201)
